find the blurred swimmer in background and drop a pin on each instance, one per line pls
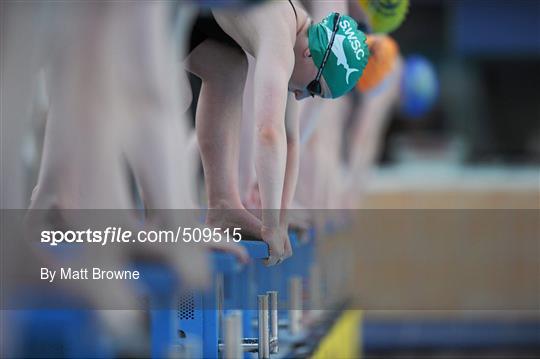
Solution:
(111, 102)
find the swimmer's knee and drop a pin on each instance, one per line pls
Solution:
(215, 63)
(233, 75)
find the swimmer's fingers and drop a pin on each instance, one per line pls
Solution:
(272, 261)
(287, 245)
(272, 237)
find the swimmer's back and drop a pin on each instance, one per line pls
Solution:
(271, 22)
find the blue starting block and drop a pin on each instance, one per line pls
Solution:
(179, 321)
(200, 314)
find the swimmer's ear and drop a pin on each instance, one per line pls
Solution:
(307, 53)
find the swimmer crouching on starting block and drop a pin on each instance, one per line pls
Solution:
(290, 53)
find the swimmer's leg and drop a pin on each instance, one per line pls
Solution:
(246, 168)
(218, 130)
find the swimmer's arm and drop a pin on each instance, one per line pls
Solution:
(272, 72)
(292, 128)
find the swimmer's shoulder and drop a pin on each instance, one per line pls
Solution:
(273, 21)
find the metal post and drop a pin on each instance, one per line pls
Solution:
(233, 335)
(264, 333)
(274, 324)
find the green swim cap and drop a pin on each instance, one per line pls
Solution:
(348, 56)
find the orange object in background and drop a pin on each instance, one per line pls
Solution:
(384, 53)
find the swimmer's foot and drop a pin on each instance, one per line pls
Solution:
(227, 216)
(232, 248)
(286, 242)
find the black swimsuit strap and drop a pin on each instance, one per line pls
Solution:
(294, 9)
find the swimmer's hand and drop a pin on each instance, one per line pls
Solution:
(286, 241)
(273, 237)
